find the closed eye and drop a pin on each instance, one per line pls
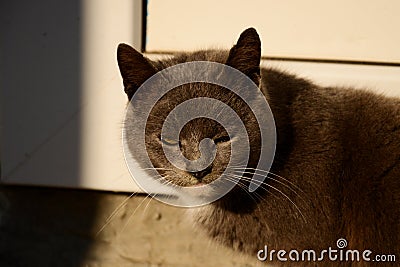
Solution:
(169, 141)
(222, 139)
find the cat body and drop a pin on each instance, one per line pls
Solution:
(341, 149)
(336, 172)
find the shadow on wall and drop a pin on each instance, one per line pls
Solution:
(40, 82)
(46, 227)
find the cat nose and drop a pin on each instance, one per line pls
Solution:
(200, 174)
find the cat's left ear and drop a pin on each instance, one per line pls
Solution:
(246, 54)
(134, 67)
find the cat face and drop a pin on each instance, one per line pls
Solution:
(193, 133)
(136, 69)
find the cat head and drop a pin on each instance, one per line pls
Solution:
(135, 69)
(245, 56)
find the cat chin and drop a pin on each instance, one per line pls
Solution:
(196, 185)
(198, 195)
(198, 191)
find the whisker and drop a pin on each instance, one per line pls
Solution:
(275, 180)
(261, 186)
(147, 205)
(130, 217)
(116, 210)
(268, 172)
(282, 193)
(242, 186)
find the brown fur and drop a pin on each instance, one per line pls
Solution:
(338, 147)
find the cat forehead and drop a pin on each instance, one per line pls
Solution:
(189, 91)
(219, 56)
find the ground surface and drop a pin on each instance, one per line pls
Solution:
(57, 227)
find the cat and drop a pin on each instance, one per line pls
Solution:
(336, 171)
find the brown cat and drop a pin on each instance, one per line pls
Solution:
(336, 173)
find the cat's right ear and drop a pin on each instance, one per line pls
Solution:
(134, 67)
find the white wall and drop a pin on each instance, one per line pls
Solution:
(337, 30)
(62, 95)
